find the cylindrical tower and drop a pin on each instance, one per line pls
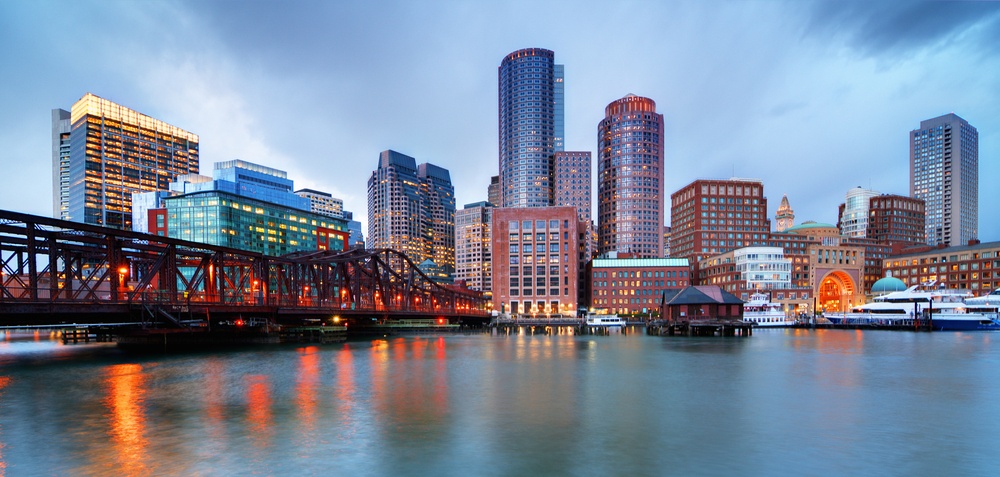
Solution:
(630, 178)
(527, 120)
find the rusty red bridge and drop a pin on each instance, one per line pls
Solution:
(56, 273)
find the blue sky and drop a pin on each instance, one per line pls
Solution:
(814, 98)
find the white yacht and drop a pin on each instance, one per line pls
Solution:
(760, 311)
(946, 309)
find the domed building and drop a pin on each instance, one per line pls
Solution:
(887, 285)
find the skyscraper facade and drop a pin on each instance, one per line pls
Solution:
(323, 203)
(473, 257)
(113, 153)
(530, 126)
(944, 172)
(572, 181)
(630, 178)
(411, 209)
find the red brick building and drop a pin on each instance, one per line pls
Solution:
(633, 286)
(537, 257)
(709, 217)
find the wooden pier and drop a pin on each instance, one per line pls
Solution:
(700, 328)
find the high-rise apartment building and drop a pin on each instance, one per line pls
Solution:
(439, 204)
(572, 181)
(709, 217)
(630, 178)
(852, 218)
(113, 152)
(411, 209)
(530, 126)
(473, 257)
(944, 172)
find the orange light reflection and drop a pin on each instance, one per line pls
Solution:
(306, 384)
(259, 410)
(125, 385)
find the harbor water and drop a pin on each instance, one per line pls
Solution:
(782, 402)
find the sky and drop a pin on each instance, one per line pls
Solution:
(813, 98)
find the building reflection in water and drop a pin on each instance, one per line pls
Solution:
(125, 386)
(4, 381)
(306, 388)
(215, 398)
(259, 416)
(346, 393)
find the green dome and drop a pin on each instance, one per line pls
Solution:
(887, 285)
(810, 225)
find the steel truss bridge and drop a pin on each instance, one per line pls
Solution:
(56, 272)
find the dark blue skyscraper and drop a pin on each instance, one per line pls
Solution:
(531, 126)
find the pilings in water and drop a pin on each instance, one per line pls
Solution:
(700, 328)
(87, 334)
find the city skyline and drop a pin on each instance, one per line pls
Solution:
(801, 94)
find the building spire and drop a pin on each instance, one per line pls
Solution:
(785, 216)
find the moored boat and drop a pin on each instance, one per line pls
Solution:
(941, 309)
(606, 321)
(760, 311)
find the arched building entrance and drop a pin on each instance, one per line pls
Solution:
(837, 292)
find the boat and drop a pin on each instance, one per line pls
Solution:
(942, 309)
(761, 312)
(605, 321)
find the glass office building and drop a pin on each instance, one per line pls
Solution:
(228, 220)
(944, 173)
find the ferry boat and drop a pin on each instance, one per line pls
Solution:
(947, 310)
(761, 312)
(607, 321)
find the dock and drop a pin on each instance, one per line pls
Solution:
(700, 328)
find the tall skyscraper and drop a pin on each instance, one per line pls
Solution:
(113, 153)
(944, 172)
(412, 209)
(630, 178)
(531, 123)
(439, 206)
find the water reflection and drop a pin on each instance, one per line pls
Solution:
(125, 397)
(259, 416)
(306, 389)
(4, 381)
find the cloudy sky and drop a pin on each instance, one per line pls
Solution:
(814, 98)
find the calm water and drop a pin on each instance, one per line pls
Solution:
(783, 402)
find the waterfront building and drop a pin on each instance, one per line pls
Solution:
(109, 152)
(473, 252)
(243, 205)
(630, 178)
(537, 260)
(748, 270)
(710, 216)
(896, 219)
(530, 126)
(852, 217)
(493, 192)
(323, 203)
(411, 209)
(833, 265)
(633, 286)
(944, 173)
(785, 217)
(974, 267)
